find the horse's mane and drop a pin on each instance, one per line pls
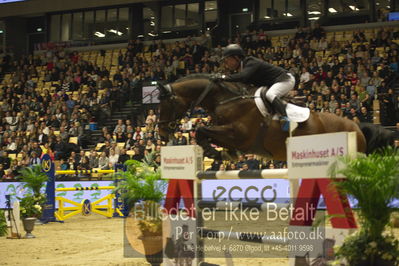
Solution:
(194, 76)
(235, 85)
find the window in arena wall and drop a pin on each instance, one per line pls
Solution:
(65, 27)
(88, 24)
(99, 27)
(123, 21)
(149, 18)
(167, 17)
(347, 6)
(211, 10)
(55, 28)
(77, 26)
(193, 16)
(293, 8)
(180, 15)
(269, 9)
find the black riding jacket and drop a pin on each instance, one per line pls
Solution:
(258, 73)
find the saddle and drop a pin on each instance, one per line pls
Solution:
(298, 100)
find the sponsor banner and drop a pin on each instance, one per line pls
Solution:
(311, 156)
(181, 162)
(254, 190)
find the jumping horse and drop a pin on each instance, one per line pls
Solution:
(239, 126)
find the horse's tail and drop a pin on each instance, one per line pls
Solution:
(376, 136)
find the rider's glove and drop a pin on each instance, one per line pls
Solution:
(217, 77)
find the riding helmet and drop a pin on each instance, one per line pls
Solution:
(233, 49)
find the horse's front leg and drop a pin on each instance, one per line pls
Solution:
(224, 136)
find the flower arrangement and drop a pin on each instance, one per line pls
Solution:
(373, 181)
(31, 205)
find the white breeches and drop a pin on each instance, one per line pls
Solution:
(280, 89)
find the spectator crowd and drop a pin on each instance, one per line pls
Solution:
(342, 76)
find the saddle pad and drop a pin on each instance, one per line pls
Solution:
(296, 113)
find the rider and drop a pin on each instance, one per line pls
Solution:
(255, 71)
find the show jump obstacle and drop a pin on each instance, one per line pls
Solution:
(85, 207)
(308, 157)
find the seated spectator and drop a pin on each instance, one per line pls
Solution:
(93, 160)
(187, 125)
(364, 115)
(103, 161)
(240, 161)
(120, 137)
(129, 142)
(253, 164)
(120, 127)
(84, 164)
(151, 116)
(105, 148)
(34, 159)
(180, 139)
(59, 148)
(64, 165)
(149, 147)
(113, 157)
(138, 132)
(138, 156)
(123, 157)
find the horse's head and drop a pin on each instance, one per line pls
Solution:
(172, 109)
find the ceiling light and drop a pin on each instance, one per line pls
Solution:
(288, 14)
(116, 32)
(99, 34)
(314, 12)
(267, 17)
(314, 18)
(167, 31)
(332, 10)
(39, 29)
(245, 9)
(152, 34)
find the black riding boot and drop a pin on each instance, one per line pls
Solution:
(279, 106)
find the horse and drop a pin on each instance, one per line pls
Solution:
(238, 125)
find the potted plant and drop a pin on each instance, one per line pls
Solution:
(373, 181)
(142, 190)
(31, 209)
(32, 203)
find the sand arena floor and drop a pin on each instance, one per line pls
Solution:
(92, 240)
